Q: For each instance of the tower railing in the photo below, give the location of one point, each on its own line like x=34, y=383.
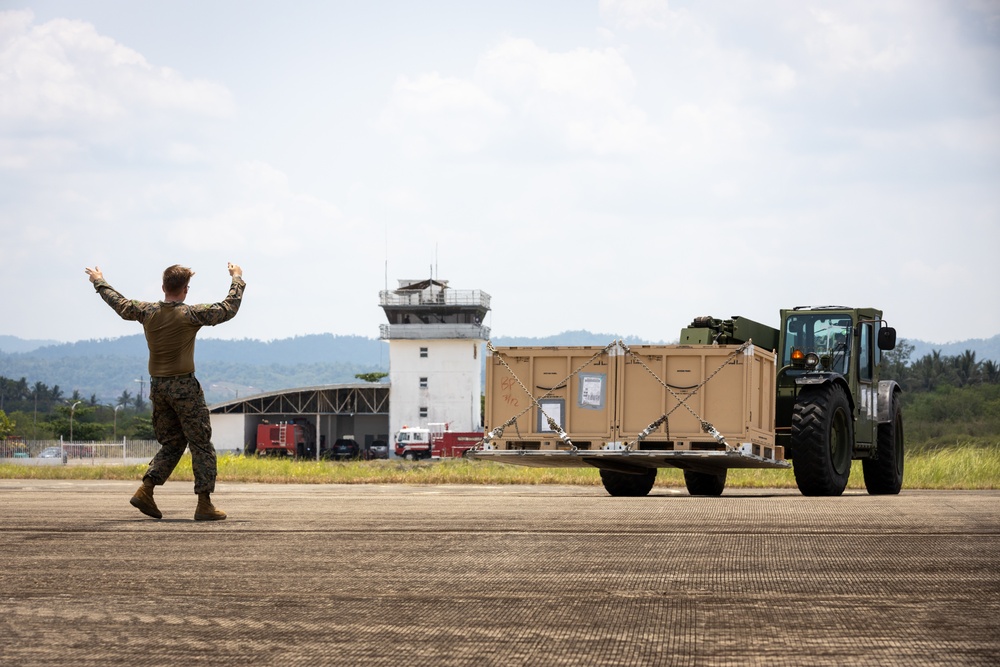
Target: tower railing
x=433, y=331
x=441, y=297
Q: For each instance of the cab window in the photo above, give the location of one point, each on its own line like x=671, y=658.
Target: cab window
x=828, y=336
x=865, y=360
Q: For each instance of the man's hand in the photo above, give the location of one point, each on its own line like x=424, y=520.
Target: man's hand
x=95, y=274
x=235, y=271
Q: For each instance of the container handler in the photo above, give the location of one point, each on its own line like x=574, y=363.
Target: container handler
x=732, y=394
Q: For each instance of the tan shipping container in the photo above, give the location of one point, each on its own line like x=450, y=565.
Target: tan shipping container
x=611, y=395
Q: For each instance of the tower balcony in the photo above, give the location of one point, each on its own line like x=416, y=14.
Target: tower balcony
x=437, y=331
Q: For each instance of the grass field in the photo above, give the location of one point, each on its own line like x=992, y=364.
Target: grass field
x=955, y=467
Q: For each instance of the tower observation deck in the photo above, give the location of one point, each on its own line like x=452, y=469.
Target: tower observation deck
x=429, y=309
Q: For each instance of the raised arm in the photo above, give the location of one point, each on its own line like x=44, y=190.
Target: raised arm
x=210, y=314
x=127, y=309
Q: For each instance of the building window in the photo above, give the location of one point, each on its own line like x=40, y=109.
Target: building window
x=423, y=412
x=423, y=353
x=423, y=383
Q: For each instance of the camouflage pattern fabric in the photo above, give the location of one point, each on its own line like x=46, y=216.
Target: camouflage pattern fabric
x=171, y=326
x=180, y=419
x=205, y=314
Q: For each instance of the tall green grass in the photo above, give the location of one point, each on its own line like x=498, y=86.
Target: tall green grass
x=961, y=466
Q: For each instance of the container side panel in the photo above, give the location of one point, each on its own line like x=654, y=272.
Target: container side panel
x=572, y=385
x=504, y=396
x=763, y=395
x=641, y=396
x=683, y=372
x=726, y=407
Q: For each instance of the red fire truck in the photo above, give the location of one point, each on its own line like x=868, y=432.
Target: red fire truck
x=435, y=441
x=282, y=439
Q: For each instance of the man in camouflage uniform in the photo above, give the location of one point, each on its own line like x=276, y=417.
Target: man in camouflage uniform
x=180, y=415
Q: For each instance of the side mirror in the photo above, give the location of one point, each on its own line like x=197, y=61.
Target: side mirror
x=887, y=338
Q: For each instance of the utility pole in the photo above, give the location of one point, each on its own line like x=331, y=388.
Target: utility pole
x=117, y=408
x=71, y=411
x=142, y=385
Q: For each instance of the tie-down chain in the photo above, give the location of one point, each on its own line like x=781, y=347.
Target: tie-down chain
x=706, y=426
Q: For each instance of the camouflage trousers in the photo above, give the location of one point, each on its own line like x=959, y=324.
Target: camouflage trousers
x=180, y=419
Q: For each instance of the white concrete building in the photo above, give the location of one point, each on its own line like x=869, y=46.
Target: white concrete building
x=436, y=339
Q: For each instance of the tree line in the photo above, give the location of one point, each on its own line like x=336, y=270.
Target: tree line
x=18, y=395
x=39, y=412
x=934, y=370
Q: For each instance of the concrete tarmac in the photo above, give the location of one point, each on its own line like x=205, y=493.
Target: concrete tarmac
x=485, y=575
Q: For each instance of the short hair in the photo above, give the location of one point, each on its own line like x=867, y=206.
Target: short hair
x=175, y=278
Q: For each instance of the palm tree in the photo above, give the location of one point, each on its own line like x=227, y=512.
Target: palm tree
x=40, y=391
x=22, y=390
x=124, y=399
x=966, y=368
x=931, y=370
x=990, y=371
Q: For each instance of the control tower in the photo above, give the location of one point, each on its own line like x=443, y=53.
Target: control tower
x=436, y=337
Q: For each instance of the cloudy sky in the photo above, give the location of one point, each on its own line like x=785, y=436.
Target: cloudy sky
x=619, y=166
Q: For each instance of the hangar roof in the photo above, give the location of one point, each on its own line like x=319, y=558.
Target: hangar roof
x=332, y=399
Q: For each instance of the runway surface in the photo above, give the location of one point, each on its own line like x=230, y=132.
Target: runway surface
x=512, y=575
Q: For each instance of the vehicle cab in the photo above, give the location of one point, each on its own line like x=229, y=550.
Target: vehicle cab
x=832, y=344
x=412, y=442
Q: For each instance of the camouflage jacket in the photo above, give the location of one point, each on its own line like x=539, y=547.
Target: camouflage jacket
x=170, y=326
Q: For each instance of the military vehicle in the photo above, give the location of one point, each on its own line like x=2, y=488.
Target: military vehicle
x=732, y=393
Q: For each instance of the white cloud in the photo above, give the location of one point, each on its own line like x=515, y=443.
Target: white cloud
x=632, y=14
x=779, y=77
x=583, y=96
x=64, y=77
x=431, y=113
x=581, y=100
x=64, y=71
x=865, y=43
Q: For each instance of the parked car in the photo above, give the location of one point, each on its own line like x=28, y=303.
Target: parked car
x=51, y=453
x=378, y=449
x=345, y=448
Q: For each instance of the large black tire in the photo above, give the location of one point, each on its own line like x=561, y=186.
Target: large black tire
x=884, y=474
x=628, y=484
x=705, y=484
x=822, y=440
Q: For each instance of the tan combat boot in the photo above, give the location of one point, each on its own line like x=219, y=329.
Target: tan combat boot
x=206, y=511
x=143, y=501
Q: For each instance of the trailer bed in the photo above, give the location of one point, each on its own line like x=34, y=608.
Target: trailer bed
x=630, y=461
